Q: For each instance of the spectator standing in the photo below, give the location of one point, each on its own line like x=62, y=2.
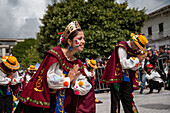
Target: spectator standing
x=98, y=64
x=105, y=62
x=142, y=77
x=151, y=59
x=163, y=58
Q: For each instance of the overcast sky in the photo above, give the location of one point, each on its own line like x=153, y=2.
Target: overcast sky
x=20, y=18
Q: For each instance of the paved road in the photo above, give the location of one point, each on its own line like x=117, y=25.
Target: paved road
x=146, y=103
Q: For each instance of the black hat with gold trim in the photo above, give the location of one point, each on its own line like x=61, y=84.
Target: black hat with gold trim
x=92, y=63
x=11, y=62
x=32, y=67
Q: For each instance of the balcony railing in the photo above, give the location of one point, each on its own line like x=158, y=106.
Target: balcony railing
x=149, y=37
x=160, y=35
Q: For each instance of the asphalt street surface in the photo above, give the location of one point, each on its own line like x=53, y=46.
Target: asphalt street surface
x=146, y=103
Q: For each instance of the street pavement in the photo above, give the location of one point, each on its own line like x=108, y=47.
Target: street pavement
x=146, y=103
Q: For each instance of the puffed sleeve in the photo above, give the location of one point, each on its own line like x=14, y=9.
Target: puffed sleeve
x=131, y=63
x=82, y=86
x=55, y=77
x=4, y=80
x=16, y=78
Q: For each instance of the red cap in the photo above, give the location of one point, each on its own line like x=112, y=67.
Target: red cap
x=149, y=66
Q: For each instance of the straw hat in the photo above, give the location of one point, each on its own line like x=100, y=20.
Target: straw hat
x=11, y=62
x=32, y=67
x=92, y=63
x=149, y=66
x=140, y=41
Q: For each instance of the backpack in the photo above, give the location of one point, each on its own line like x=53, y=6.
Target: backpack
x=162, y=74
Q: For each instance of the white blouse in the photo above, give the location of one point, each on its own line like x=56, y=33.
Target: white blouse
x=128, y=63
x=56, y=79
x=28, y=77
x=4, y=80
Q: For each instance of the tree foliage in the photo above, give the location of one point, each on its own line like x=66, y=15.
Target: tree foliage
x=30, y=58
x=104, y=23
x=20, y=50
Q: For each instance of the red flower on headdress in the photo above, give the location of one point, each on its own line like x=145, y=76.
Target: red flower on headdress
x=60, y=33
x=61, y=37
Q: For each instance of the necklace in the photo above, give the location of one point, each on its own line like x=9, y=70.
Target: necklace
x=68, y=57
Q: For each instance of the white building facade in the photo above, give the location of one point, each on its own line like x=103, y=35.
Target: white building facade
x=157, y=28
x=6, y=45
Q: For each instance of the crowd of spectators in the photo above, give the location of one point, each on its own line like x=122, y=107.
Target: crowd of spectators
x=160, y=60
x=101, y=61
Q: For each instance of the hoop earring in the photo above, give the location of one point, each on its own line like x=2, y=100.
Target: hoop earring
x=70, y=48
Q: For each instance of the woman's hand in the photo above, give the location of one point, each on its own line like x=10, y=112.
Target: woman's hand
x=74, y=73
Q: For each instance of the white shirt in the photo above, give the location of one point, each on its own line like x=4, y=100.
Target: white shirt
x=28, y=77
x=56, y=78
x=88, y=73
x=155, y=76
x=127, y=63
x=4, y=80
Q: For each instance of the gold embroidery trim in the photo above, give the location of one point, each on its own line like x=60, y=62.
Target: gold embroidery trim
x=117, y=70
x=38, y=87
x=34, y=101
x=63, y=64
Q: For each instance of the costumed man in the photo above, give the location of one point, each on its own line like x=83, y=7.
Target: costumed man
x=31, y=70
x=155, y=80
x=121, y=71
x=62, y=74
x=8, y=78
x=90, y=70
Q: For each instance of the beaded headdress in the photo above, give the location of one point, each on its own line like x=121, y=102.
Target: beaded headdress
x=69, y=29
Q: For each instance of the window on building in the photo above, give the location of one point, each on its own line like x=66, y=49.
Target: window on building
x=161, y=27
x=149, y=30
x=0, y=50
x=7, y=50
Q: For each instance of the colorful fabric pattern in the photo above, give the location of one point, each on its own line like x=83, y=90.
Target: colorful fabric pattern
x=60, y=99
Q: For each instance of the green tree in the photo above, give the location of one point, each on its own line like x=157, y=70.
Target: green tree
x=30, y=58
x=20, y=49
x=104, y=23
